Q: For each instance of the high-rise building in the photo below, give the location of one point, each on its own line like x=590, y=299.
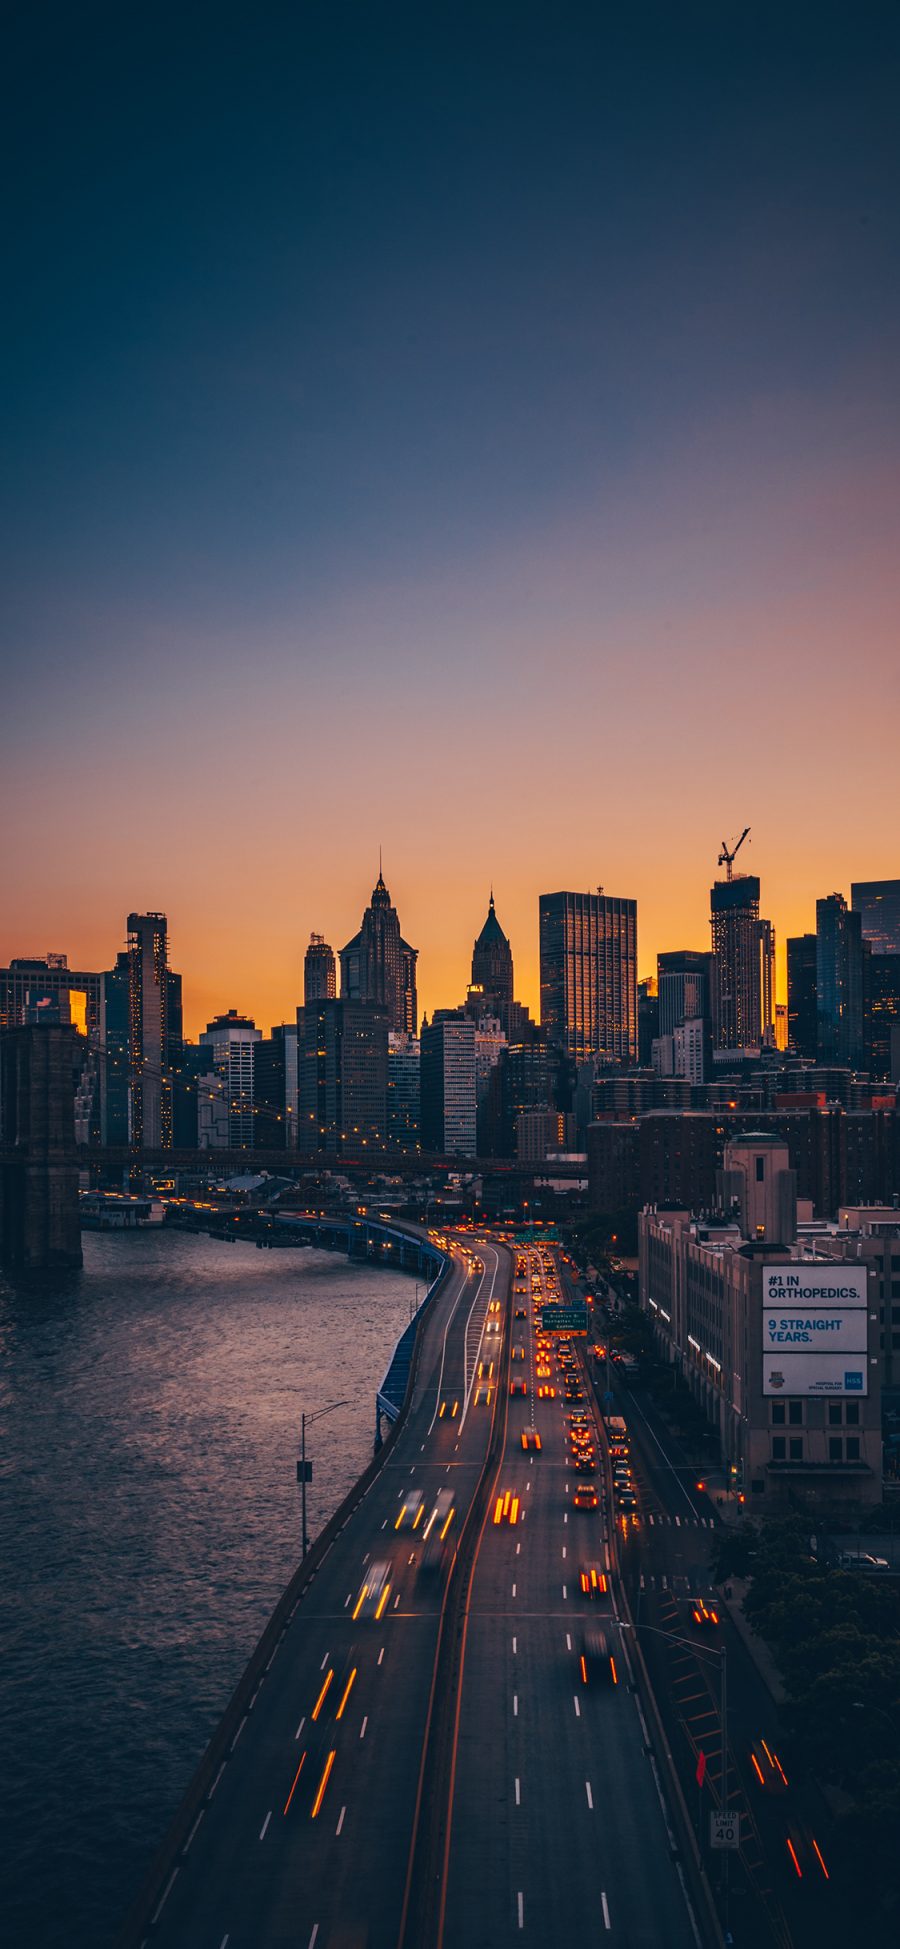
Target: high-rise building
x=882, y=1013
x=343, y=1062
x=588, y=946
x=801, y=983
x=449, y=1101
x=319, y=974
x=492, y=969
x=878, y=904
x=839, y=982
x=154, y=1031
x=683, y=977
x=743, y=965
x=379, y=967
x=231, y=1040
x=404, y=1093
x=648, y=1017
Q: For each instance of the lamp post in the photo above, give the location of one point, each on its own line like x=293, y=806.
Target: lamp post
x=304, y=1468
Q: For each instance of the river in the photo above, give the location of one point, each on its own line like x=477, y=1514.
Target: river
x=149, y=1519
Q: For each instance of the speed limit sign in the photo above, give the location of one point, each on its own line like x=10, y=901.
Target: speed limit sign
x=725, y=1830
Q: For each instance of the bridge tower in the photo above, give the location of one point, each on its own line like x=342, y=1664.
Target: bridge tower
x=39, y=1222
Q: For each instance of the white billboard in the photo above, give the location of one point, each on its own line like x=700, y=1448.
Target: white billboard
x=814, y=1329
x=814, y=1285
x=815, y=1373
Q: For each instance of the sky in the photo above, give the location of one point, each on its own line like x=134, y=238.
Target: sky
x=473, y=431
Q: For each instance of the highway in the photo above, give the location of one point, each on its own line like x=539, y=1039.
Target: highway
x=276, y=1857
x=423, y=1761
x=558, y=1829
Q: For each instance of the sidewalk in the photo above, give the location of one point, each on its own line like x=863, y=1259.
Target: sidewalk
x=757, y=1647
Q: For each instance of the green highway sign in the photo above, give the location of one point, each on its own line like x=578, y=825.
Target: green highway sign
x=564, y=1319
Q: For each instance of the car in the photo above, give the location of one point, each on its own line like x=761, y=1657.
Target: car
x=579, y=1418
x=412, y=1509
x=518, y=1386
x=704, y=1615
x=483, y=1395
x=594, y=1581
x=319, y=1750
x=375, y=1592
x=596, y=1662
x=862, y=1560
x=530, y=1438
x=542, y=1372
x=518, y=1352
x=546, y=1392
x=485, y=1370
x=493, y=1326
x=440, y=1516
x=768, y=1771
x=585, y=1462
x=506, y=1508
x=586, y=1496
x=619, y=1451
x=521, y=1313
x=625, y=1498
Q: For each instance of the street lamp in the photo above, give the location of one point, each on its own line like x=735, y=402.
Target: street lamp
x=304, y=1468
x=859, y=1705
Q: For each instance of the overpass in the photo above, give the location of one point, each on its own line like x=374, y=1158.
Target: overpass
x=412, y=1758
x=292, y=1163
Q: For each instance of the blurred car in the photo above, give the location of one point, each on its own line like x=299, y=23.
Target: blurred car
x=530, y=1438
x=375, y=1592
x=585, y=1462
x=518, y=1386
x=625, y=1498
x=521, y=1313
x=546, y=1391
x=586, y=1496
x=518, y=1352
x=596, y=1662
x=412, y=1509
x=704, y=1615
x=506, y=1508
x=768, y=1771
x=594, y=1581
x=483, y=1394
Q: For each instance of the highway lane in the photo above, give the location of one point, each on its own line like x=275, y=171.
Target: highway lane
x=294, y=1846
x=558, y=1829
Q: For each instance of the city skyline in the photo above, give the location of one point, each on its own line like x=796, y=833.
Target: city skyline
x=270, y=991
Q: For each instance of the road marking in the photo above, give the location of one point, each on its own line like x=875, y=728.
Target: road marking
x=340, y=1820
x=381, y=1654
x=514, y=1590
x=566, y=1517
x=577, y=1704
x=521, y=1901
x=262, y=1831
x=300, y=1727
x=514, y=1647
x=362, y=1730
x=347, y=1598
x=528, y=1488
x=564, y=1552
x=518, y=1795
x=678, y=1521
x=384, y=1524
x=217, y=1779
x=397, y=1599
x=568, y=1641
x=238, y=1733
x=422, y=1449
x=193, y=1830
x=312, y=1940
x=518, y=1548
x=515, y=1705
x=163, y=1898
x=224, y=1942
x=605, y=1907
x=328, y=1654
x=651, y=1519
x=590, y=1797
x=565, y=1592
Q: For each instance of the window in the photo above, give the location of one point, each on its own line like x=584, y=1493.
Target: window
x=795, y=1448
x=851, y=1414
x=835, y=1448
x=778, y=1448
x=853, y=1448
x=795, y=1413
x=760, y=1170
x=834, y=1414
x=778, y=1414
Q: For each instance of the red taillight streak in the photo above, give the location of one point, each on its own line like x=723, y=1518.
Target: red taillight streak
x=820, y=1859
x=615, y=1675
x=793, y=1854
x=347, y=1690
x=757, y=1769
x=323, y=1784
x=294, y=1783
x=583, y=1670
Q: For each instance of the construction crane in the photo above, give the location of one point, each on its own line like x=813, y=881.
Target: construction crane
x=727, y=858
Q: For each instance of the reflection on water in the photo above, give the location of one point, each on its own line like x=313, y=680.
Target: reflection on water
x=149, y=1519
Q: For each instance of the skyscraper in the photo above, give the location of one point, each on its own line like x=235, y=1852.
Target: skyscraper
x=878, y=904
x=449, y=1104
x=588, y=944
x=379, y=967
x=683, y=975
x=839, y=982
x=492, y=969
x=801, y=983
x=343, y=1063
x=154, y=1031
x=319, y=976
x=743, y=964
x=232, y=1038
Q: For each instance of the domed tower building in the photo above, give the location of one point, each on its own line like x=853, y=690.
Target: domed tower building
x=492, y=969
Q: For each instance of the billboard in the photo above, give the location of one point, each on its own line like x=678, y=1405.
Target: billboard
x=814, y=1329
